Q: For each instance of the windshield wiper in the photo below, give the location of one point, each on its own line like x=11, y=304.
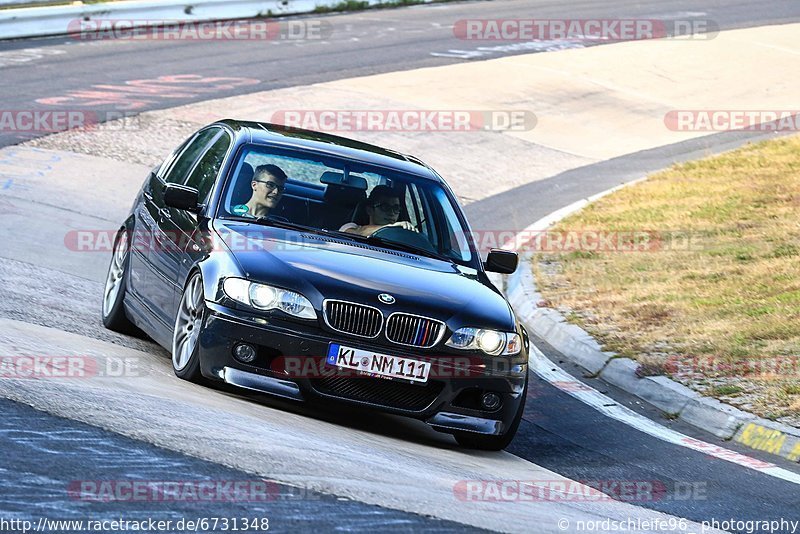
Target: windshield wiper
x=278, y=223
x=372, y=240
x=389, y=243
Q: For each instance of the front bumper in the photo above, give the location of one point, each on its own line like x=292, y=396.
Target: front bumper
x=291, y=364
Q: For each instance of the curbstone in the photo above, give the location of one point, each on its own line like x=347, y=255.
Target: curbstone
x=579, y=347
x=714, y=416
x=621, y=372
x=666, y=395
x=569, y=339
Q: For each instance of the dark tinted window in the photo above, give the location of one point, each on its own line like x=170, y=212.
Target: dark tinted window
x=207, y=169
x=186, y=159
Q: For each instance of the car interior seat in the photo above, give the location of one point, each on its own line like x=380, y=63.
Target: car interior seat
x=341, y=198
x=242, y=188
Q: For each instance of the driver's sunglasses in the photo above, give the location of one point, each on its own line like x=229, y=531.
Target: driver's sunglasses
x=272, y=186
x=389, y=208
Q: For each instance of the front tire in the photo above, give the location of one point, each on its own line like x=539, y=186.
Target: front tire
x=186, y=334
x=113, y=312
x=483, y=442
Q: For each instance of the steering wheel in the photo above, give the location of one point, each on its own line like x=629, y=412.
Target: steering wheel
x=403, y=236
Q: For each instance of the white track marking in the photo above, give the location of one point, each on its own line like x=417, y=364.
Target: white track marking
x=678, y=15
x=562, y=380
x=16, y=57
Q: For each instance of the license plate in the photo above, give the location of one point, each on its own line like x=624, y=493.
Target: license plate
x=381, y=365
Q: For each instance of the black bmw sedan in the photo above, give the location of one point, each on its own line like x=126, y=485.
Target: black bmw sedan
x=314, y=267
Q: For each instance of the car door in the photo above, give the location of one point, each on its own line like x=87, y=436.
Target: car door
x=164, y=251
x=144, y=223
x=194, y=227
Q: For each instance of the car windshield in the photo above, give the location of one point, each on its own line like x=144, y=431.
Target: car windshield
x=361, y=201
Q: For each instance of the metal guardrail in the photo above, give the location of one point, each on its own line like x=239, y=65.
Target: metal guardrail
x=61, y=20
x=12, y=3
x=40, y=3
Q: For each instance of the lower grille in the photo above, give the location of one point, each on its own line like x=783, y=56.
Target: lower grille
x=388, y=393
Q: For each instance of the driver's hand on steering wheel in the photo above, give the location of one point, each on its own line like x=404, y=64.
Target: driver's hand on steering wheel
x=405, y=225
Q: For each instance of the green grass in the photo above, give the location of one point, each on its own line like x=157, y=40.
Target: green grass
x=726, y=390
x=724, y=285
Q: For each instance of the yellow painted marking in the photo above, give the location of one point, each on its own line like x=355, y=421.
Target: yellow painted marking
x=795, y=454
x=763, y=439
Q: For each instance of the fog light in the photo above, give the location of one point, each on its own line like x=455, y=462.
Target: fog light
x=244, y=353
x=491, y=401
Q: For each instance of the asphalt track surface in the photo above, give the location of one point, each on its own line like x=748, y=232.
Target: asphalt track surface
x=54, y=450
x=358, y=44
x=558, y=432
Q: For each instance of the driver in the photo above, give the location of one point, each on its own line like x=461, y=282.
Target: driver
x=383, y=209
x=268, y=184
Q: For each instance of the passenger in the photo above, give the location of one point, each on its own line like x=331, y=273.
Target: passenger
x=268, y=184
x=383, y=209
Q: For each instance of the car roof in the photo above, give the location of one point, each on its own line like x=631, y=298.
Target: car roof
x=268, y=133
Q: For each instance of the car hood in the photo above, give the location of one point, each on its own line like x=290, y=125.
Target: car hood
x=327, y=267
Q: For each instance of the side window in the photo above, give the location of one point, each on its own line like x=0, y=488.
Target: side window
x=165, y=165
x=205, y=172
x=180, y=168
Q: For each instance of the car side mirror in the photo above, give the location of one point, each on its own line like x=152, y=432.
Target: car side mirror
x=501, y=261
x=181, y=197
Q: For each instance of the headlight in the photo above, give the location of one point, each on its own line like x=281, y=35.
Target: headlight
x=489, y=341
x=264, y=297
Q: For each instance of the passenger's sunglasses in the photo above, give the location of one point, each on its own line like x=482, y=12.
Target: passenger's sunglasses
x=272, y=186
x=388, y=208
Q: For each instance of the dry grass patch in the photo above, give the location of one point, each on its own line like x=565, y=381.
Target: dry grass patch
x=714, y=301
